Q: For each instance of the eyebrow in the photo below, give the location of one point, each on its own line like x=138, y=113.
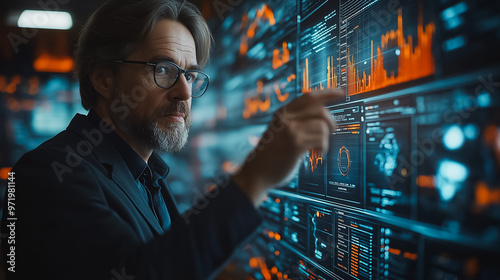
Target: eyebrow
x=171, y=59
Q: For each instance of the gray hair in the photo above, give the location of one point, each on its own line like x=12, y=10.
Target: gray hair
x=113, y=30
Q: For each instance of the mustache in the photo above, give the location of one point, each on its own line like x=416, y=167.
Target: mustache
x=179, y=107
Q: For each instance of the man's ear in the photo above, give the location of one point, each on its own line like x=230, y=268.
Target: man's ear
x=103, y=81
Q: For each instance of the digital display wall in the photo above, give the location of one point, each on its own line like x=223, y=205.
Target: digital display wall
x=410, y=185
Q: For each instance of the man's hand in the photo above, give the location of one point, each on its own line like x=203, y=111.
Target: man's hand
x=302, y=125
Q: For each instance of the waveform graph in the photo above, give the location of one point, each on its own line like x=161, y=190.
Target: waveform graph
x=315, y=159
x=321, y=242
x=312, y=173
x=377, y=56
x=268, y=96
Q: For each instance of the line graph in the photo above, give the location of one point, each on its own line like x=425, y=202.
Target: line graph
x=261, y=15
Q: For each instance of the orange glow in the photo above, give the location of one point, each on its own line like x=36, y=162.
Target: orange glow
x=426, y=181
x=12, y=86
x=277, y=200
x=291, y=77
x=314, y=159
x=411, y=256
x=271, y=234
x=4, y=172
x=277, y=253
x=285, y=57
x=264, y=270
x=277, y=236
x=263, y=13
x=472, y=268
x=228, y=166
x=48, y=63
x=3, y=83
x=394, y=251
x=486, y=196
x=413, y=62
x=331, y=76
x=13, y=104
x=260, y=86
x=274, y=270
x=254, y=262
x=492, y=139
x=243, y=45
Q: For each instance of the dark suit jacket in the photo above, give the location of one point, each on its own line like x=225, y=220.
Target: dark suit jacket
x=80, y=216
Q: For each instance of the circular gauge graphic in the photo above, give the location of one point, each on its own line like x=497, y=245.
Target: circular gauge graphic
x=344, y=161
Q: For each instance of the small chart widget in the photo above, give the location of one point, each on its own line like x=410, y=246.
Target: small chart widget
x=344, y=155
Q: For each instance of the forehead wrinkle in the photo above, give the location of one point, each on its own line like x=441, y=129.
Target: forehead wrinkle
x=179, y=50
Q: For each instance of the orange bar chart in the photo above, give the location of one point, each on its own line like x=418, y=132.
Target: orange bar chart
x=414, y=62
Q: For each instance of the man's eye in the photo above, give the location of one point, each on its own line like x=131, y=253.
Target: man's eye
x=190, y=77
x=161, y=70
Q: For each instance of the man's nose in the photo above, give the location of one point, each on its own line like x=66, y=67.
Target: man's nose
x=180, y=91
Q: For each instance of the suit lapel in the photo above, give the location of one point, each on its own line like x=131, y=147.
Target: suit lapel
x=173, y=210
x=108, y=155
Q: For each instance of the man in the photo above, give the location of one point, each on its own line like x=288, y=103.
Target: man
x=92, y=203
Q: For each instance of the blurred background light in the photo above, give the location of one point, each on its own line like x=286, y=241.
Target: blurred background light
x=45, y=20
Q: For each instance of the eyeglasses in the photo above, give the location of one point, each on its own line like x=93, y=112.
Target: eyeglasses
x=167, y=73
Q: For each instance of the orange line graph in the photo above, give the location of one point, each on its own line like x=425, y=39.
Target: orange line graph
x=285, y=57
x=413, y=62
x=263, y=13
x=277, y=90
x=331, y=76
x=314, y=159
x=255, y=103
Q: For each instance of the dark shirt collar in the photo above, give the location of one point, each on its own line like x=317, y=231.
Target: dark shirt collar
x=134, y=162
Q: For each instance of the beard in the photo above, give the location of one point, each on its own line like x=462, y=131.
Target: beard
x=147, y=131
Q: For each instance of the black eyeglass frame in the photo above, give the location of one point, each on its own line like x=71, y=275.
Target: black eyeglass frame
x=181, y=71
